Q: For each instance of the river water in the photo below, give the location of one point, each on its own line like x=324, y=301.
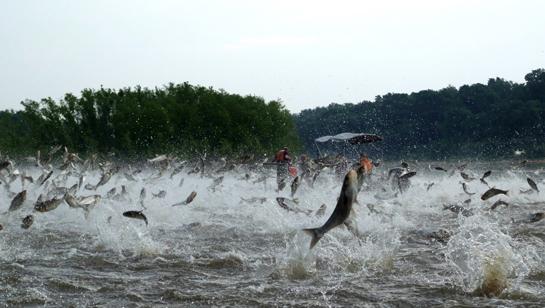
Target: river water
x=221, y=250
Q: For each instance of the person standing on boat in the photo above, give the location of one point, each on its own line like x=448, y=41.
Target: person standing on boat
x=283, y=159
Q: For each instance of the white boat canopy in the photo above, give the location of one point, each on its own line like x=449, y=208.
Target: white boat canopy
x=352, y=138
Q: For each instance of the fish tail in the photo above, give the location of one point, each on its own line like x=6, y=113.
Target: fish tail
x=316, y=235
x=146, y=220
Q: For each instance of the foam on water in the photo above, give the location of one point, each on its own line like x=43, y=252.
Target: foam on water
x=485, y=258
x=222, y=241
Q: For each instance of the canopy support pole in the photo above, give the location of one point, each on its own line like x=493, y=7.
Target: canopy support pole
x=318, y=148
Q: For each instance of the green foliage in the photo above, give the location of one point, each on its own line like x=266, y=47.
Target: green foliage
x=475, y=120
x=135, y=122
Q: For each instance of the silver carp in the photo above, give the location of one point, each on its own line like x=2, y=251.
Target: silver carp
x=348, y=195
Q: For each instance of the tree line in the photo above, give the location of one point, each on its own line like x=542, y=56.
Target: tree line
x=479, y=120
x=137, y=122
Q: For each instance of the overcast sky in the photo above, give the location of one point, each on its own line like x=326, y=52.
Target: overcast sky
x=306, y=53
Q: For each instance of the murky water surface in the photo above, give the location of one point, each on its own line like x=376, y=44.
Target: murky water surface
x=223, y=250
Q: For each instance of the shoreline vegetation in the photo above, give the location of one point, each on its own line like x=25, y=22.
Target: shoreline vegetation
x=481, y=121
x=137, y=123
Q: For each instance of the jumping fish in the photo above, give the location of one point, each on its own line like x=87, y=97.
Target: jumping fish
x=407, y=175
x=536, y=217
x=466, y=177
x=136, y=215
x=48, y=205
x=73, y=189
x=462, y=167
x=27, y=222
x=282, y=202
x=188, y=200
x=254, y=200
x=80, y=181
x=177, y=170
x=429, y=186
x=532, y=184
x=71, y=201
x=485, y=175
x=294, y=186
x=18, y=201
x=493, y=192
x=458, y=209
x=281, y=184
x=104, y=179
x=46, y=177
x=498, y=203
x=464, y=187
x=316, y=174
x=161, y=194
x=4, y=164
x=342, y=210
x=111, y=193
x=158, y=159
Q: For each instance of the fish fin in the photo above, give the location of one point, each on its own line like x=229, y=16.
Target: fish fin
x=316, y=236
x=350, y=227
